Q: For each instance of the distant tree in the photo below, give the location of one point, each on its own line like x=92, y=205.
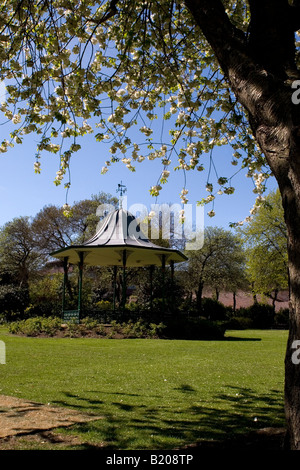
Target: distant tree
x=19, y=253
x=235, y=278
x=54, y=229
x=158, y=290
x=20, y=261
x=85, y=214
x=265, y=239
x=216, y=264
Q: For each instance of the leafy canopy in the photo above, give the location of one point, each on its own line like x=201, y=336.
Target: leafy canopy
x=265, y=239
x=220, y=264
x=76, y=67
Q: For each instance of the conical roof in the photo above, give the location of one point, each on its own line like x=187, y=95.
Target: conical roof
x=120, y=238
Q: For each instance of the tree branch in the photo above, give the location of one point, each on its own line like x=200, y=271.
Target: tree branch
x=259, y=85
x=295, y=14
x=270, y=43
x=271, y=36
x=222, y=35
x=111, y=11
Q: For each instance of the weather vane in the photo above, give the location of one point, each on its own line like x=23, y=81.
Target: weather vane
x=122, y=190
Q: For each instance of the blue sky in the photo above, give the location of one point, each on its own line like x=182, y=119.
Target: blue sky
x=24, y=193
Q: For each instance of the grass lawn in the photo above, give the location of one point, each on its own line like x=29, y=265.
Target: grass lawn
x=153, y=394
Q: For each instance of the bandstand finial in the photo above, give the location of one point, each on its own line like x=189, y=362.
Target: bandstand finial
x=122, y=190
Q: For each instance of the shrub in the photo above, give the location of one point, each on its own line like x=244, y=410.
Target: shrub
x=141, y=329
x=239, y=323
x=73, y=329
x=46, y=296
x=282, y=318
x=132, y=307
x=213, y=309
x=104, y=305
x=14, y=328
x=156, y=329
x=137, y=329
x=51, y=325
x=194, y=328
x=90, y=323
x=133, y=329
x=262, y=315
x=35, y=326
x=13, y=301
x=29, y=327
x=114, y=329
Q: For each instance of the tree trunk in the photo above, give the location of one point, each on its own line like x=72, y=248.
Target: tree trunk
x=234, y=302
x=260, y=67
x=292, y=368
x=274, y=299
x=199, y=296
x=217, y=294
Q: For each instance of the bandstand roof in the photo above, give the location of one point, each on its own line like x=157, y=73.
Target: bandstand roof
x=120, y=241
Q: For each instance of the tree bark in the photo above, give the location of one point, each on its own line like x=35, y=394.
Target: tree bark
x=260, y=68
x=274, y=299
x=254, y=294
x=217, y=294
x=199, y=296
x=292, y=370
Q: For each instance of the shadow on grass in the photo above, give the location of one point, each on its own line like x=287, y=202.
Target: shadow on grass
x=236, y=338
x=141, y=425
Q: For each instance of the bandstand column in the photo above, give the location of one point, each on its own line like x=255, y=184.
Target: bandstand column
x=80, y=266
x=124, y=280
x=172, y=282
x=151, y=270
x=163, y=268
x=65, y=281
x=114, y=288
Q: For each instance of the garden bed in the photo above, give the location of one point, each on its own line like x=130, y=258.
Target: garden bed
x=182, y=328
x=54, y=327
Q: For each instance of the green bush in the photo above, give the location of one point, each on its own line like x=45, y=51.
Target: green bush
x=104, y=305
x=90, y=323
x=156, y=329
x=13, y=301
x=73, y=329
x=194, y=328
x=134, y=329
x=141, y=329
x=31, y=326
x=282, y=318
x=36, y=326
x=15, y=327
x=132, y=307
x=262, y=315
x=213, y=309
x=239, y=323
x=46, y=296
